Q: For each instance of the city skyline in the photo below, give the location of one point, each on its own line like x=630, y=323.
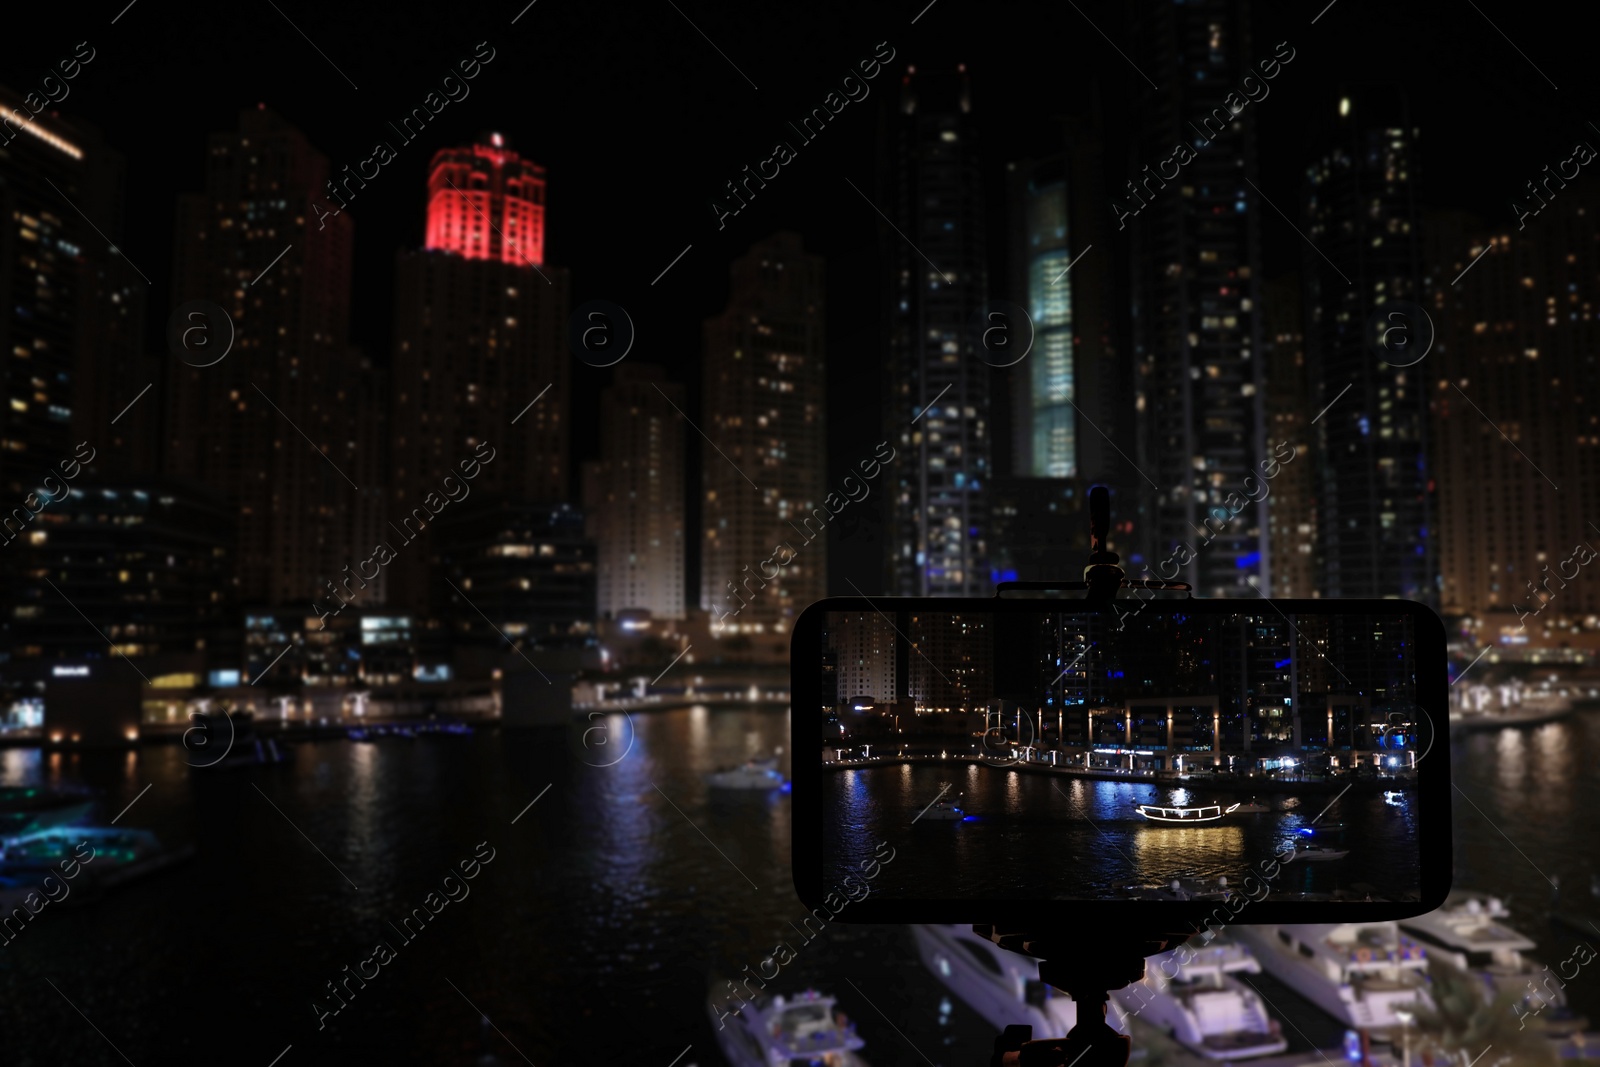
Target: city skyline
x=1012, y=453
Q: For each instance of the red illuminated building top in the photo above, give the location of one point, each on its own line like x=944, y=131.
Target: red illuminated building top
x=486, y=202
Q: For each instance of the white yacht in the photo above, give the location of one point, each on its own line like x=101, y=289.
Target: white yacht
x=1469, y=931
x=778, y=1031
x=755, y=774
x=1001, y=986
x=1201, y=813
x=1203, y=1006
x=1357, y=972
x=939, y=810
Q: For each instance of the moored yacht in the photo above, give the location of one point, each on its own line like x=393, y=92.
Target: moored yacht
x=1470, y=932
x=777, y=1031
x=1202, y=1005
x=1001, y=986
x=26, y=809
x=1359, y=973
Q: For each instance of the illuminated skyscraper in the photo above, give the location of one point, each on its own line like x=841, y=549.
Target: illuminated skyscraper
x=1292, y=516
x=864, y=643
x=1044, y=423
x=71, y=335
x=486, y=202
x=1195, y=237
x=1514, y=377
x=951, y=662
x=288, y=427
x=480, y=342
x=935, y=372
x=763, y=468
x=1373, y=485
x=633, y=495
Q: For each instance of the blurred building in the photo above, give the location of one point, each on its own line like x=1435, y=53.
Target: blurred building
x=937, y=382
x=864, y=647
x=136, y=568
x=1292, y=515
x=1058, y=213
x=765, y=460
x=1195, y=246
x=71, y=337
x=511, y=578
x=480, y=342
x=1514, y=378
x=287, y=427
x=1374, y=488
x=633, y=495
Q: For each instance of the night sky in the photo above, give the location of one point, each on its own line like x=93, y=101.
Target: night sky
x=639, y=120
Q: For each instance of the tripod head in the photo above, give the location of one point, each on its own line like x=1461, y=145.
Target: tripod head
x=1086, y=965
x=1103, y=577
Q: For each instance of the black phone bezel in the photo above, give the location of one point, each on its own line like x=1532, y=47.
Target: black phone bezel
x=1432, y=789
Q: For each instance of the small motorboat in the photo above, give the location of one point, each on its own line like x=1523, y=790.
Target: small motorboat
x=760, y=774
x=1250, y=807
x=941, y=811
x=1202, y=813
x=1304, y=850
x=804, y=1029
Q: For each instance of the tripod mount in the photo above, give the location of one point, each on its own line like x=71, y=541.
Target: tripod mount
x=1086, y=965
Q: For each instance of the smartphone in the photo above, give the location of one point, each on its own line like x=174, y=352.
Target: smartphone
x=1160, y=761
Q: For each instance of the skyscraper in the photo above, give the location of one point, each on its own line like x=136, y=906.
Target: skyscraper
x=937, y=382
x=764, y=554
x=864, y=643
x=287, y=427
x=633, y=495
x=1514, y=377
x=71, y=338
x=1058, y=217
x=480, y=341
x=1292, y=516
x=1195, y=243
x=1374, y=496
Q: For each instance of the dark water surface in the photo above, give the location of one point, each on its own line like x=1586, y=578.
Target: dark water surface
x=591, y=935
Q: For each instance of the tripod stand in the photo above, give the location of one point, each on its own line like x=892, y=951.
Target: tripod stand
x=1085, y=964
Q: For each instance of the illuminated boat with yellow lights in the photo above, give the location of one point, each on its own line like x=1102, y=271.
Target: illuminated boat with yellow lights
x=1187, y=816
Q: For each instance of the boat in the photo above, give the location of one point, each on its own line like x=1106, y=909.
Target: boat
x=120, y=854
x=1202, y=813
x=1307, y=852
x=26, y=809
x=772, y=1030
x=755, y=774
x=1470, y=931
x=939, y=810
x=1250, y=807
x=1193, y=994
x=1360, y=973
x=1001, y=986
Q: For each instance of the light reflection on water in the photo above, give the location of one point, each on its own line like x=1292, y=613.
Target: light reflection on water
x=1030, y=833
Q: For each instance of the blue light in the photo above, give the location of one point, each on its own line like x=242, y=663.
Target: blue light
x=1366, y=427
x=1308, y=831
x=1282, y=663
x=787, y=786
x=1239, y=206
x=1249, y=559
